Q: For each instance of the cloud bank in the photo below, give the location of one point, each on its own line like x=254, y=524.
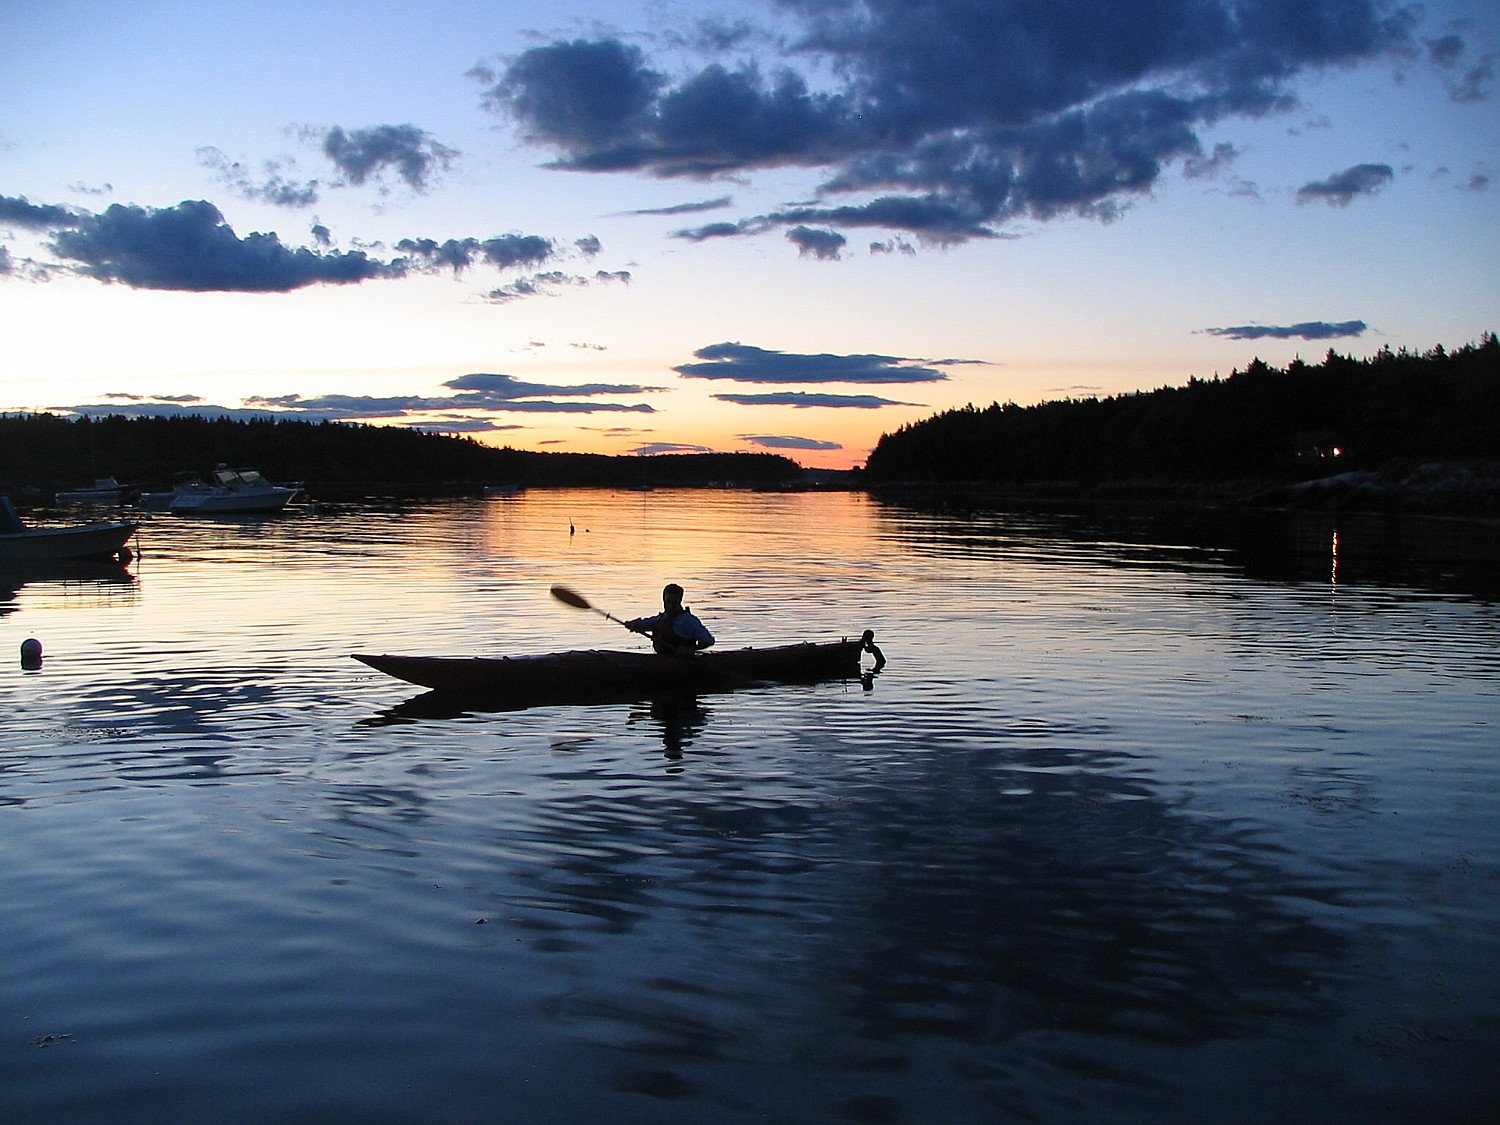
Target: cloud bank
x=473, y=397
x=480, y=392
x=949, y=120
x=191, y=247
x=746, y=364
x=779, y=441
x=802, y=400
x=1307, y=330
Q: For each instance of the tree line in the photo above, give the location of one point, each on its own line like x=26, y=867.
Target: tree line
x=52, y=451
x=1263, y=423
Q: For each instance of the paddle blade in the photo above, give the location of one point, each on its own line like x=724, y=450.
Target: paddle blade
x=570, y=597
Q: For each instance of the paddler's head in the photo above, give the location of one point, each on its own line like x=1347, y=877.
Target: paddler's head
x=671, y=596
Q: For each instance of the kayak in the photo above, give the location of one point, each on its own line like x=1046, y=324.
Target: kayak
x=598, y=672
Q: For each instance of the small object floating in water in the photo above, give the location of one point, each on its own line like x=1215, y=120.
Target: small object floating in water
x=31, y=654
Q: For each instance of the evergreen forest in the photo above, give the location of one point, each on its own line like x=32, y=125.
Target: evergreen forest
x=52, y=452
x=1389, y=413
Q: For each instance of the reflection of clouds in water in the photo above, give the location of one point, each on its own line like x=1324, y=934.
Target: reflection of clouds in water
x=961, y=899
x=118, y=732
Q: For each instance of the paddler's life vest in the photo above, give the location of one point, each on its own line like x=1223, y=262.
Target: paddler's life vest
x=665, y=639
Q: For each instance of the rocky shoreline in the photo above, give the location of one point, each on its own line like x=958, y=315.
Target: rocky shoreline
x=1437, y=488
x=1468, y=490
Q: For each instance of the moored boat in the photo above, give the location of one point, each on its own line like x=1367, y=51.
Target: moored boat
x=19, y=543
x=104, y=490
x=582, y=673
x=231, y=491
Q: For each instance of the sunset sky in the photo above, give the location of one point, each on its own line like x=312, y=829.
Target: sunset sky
x=773, y=225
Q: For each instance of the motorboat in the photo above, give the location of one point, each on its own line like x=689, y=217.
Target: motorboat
x=228, y=491
x=104, y=490
x=19, y=543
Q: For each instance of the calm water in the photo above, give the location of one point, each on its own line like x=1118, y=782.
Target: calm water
x=1140, y=823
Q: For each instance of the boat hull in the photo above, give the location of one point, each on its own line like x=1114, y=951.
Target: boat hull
x=105, y=490
x=273, y=500
x=588, y=673
x=86, y=541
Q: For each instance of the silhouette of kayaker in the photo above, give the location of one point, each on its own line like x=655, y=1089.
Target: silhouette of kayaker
x=675, y=631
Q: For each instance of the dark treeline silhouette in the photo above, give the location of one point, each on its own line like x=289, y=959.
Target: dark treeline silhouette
x=1263, y=424
x=50, y=451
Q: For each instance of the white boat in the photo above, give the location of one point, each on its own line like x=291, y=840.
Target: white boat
x=19, y=543
x=232, y=490
x=105, y=490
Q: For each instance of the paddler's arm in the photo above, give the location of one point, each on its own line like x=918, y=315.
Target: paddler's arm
x=689, y=628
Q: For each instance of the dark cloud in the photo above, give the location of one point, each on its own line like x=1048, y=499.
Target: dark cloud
x=825, y=244
x=1307, y=330
x=656, y=447
x=686, y=208
x=475, y=398
x=18, y=211
x=490, y=389
x=362, y=155
x=803, y=400
x=932, y=218
x=480, y=393
x=7, y=265
x=746, y=364
x=1209, y=165
x=578, y=96
x=1470, y=79
x=533, y=286
x=458, y=254
x=722, y=230
x=270, y=185
x=466, y=426
x=1341, y=187
x=190, y=247
x=950, y=119
x=543, y=283
x=128, y=397
x=359, y=157
x=776, y=441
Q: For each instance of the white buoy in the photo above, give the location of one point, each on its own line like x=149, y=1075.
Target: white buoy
x=31, y=653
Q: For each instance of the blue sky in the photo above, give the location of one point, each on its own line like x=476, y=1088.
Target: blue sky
x=785, y=225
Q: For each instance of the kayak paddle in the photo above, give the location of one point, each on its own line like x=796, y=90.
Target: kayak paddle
x=573, y=598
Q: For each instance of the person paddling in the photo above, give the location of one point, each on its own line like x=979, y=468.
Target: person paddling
x=674, y=631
